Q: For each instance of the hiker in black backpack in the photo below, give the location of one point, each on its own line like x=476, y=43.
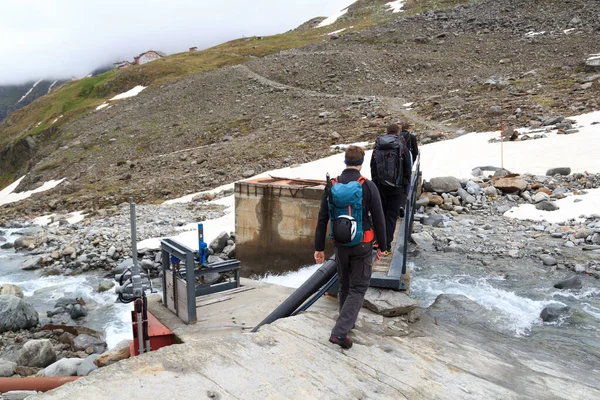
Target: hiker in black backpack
x=390, y=171
x=352, y=204
x=409, y=139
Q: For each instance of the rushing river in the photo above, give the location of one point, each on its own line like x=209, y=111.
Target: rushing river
x=104, y=314
x=514, y=303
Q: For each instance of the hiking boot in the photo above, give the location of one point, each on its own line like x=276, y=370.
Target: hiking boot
x=344, y=342
x=387, y=253
x=401, y=213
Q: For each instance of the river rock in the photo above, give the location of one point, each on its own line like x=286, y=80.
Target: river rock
x=7, y=288
x=458, y=308
x=573, y=282
x=548, y=260
x=120, y=352
x=65, y=301
x=558, y=171
x=18, y=394
x=219, y=243
x=432, y=199
x=84, y=341
x=26, y=371
x=445, y=184
x=424, y=240
x=69, y=251
x=546, y=206
x=104, y=286
x=540, y=196
x=490, y=191
x=87, y=365
x=465, y=196
x=511, y=185
x=37, y=353
x=62, y=367
x=7, y=368
x=583, y=233
x=388, y=302
x=229, y=251
x=78, y=311
x=24, y=242
x=32, y=263
x=552, y=312
x=433, y=220
x=16, y=314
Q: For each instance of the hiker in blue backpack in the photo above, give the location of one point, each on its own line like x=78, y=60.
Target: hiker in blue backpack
x=352, y=204
x=390, y=171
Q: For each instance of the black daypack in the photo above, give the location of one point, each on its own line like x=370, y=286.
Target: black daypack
x=388, y=158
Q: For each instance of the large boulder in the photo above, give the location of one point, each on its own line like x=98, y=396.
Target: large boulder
x=552, y=312
x=37, y=353
x=83, y=342
x=24, y=242
x=62, y=367
x=78, y=311
x=32, y=263
x=120, y=352
x=7, y=368
x=219, y=243
x=546, y=206
x=573, y=282
x=388, y=302
x=558, y=171
x=511, y=184
x=444, y=184
x=16, y=314
x=7, y=288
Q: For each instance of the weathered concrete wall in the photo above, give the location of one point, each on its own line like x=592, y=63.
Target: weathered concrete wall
x=275, y=225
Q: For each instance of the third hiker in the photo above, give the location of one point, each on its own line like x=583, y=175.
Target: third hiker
x=390, y=171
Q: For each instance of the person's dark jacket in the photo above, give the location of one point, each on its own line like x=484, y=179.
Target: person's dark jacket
x=406, y=167
x=411, y=143
x=371, y=205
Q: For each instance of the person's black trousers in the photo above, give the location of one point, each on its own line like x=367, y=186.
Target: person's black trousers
x=354, y=265
x=392, y=198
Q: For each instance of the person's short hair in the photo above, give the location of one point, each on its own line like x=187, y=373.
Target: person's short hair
x=355, y=155
x=393, y=129
x=405, y=125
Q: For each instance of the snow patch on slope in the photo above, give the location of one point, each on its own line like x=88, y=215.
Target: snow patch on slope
x=27, y=94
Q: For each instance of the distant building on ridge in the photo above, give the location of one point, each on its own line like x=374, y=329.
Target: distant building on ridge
x=122, y=64
x=148, y=56
x=193, y=49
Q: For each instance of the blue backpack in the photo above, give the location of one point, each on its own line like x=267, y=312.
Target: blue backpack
x=345, y=202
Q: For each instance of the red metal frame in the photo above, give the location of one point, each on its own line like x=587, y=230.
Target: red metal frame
x=160, y=335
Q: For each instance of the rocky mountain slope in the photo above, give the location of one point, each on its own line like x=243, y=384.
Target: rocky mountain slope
x=285, y=99
x=14, y=97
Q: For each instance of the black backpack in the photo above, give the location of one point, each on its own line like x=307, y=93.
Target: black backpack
x=388, y=158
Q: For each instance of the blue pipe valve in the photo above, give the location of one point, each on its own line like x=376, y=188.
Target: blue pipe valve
x=202, y=246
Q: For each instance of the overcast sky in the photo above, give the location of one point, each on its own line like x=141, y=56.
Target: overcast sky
x=64, y=38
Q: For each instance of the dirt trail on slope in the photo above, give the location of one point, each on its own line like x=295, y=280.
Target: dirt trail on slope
x=394, y=104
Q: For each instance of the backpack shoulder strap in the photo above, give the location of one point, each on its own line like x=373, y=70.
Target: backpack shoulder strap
x=361, y=180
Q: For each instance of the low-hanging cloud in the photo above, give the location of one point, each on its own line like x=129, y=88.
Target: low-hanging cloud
x=64, y=38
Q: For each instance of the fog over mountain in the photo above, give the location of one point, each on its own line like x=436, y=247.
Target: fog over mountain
x=64, y=38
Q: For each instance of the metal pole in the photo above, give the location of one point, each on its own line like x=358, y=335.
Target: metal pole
x=502, y=142
x=140, y=325
x=135, y=273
